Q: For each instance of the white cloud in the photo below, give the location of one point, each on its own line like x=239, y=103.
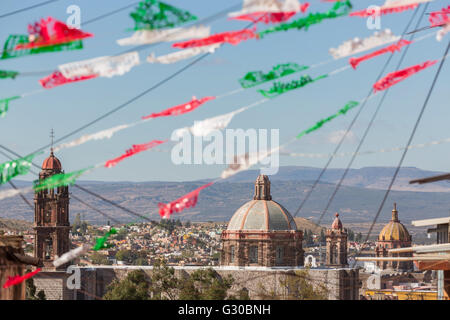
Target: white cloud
x=336, y=136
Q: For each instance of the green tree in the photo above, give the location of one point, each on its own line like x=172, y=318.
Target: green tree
x=358, y=237
x=164, y=284
x=351, y=235
x=140, y=262
x=322, y=238
x=98, y=258
x=31, y=290
x=83, y=227
x=206, y=284
x=128, y=256
x=121, y=234
x=76, y=224
x=134, y=287
x=300, y=287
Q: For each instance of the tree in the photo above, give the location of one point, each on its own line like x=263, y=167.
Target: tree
x=164, y=283
x=98, y=258
x=300, y=287
x=31, y=290
x=134, y=287
x=351, y=235
x=140, y=262
x=76, y=224
x=358, y=237
x=206, y=284
x=187, y=224
x=127, y=256
x=121, y=234
x=322, y=238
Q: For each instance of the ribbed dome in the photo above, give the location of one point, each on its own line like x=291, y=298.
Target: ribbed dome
x=262, y=213
x=266, y=215
x=51, y=163
x=394, y=230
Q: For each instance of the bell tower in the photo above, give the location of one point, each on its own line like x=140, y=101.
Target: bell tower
x=336, y=244
x=51, y=216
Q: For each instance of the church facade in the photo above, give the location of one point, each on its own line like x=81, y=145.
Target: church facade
x=394, y=235
x=262, y=233
x=51, y=217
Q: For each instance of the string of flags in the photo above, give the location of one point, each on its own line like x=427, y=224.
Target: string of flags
x=354, y=62
x=390, y=6
x=339, y=9
x=152, y=18
x=4, y=103
x=66, y=179
x=70, y=255
x=440, y=19
x=15, y=280
x=101, y=242
x=255, y=78
x=400, y=75
x=319, y=124
x=46, y=35
x=153, y=14
x=357, y=45
x=137, y=148
x=187, y=201
x=268, y=11
x=232, y=37
x=11, y=169
x=206, y=126
x=166, y=35
x=4, y=74
x=280, y=88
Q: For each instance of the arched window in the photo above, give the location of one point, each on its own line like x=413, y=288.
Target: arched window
x=232, y=253
x=253, y=254
x=48, y=248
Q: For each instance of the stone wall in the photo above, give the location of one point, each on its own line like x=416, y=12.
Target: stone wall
x=54, y=285
x=342, y=284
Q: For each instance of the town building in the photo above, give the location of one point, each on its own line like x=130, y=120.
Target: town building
x=51, y=217
x=52, y=227
x=336, y=238
x=394, y=235
x=262, y=233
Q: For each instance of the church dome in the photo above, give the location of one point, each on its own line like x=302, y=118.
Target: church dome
x=51, y=163
x=394, y=230
x=262, y=213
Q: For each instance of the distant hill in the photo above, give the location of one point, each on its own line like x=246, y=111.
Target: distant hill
x=305, y=224
x=368, y=177
x=15, y=225
x=357, y=203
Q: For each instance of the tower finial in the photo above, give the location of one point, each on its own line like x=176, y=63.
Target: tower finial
x=395, y=213
x=52, y=135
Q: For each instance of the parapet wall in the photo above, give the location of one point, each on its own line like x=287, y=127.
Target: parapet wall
x=342, y=284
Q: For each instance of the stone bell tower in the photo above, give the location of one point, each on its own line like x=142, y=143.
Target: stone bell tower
x=336, y=244
x=51, y=217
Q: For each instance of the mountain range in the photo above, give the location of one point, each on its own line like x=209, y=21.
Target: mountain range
x=357, y=201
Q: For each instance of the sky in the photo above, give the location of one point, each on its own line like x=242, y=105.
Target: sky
x=26, y=126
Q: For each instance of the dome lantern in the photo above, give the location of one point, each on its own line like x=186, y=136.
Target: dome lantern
x=262, y=188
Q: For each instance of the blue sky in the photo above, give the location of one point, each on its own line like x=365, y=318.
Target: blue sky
x=28, y=122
